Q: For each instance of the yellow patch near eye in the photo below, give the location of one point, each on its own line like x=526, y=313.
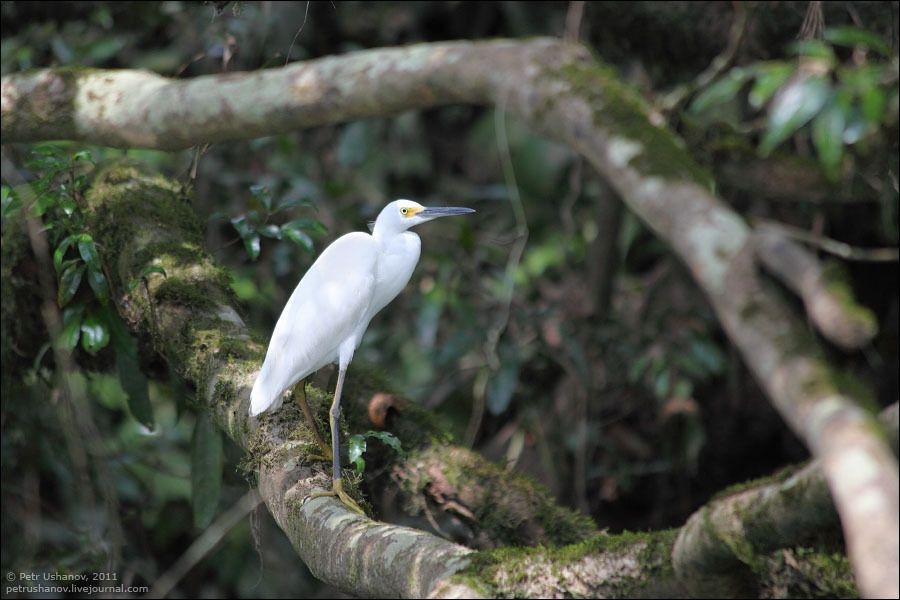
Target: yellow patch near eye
x=409, y=211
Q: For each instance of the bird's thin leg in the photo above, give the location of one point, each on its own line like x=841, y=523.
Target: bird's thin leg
x=299, y=393
x=337, y=486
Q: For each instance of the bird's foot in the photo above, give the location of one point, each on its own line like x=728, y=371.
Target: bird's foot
x=312, y=456
x=325, y=456
x=299, y=393
x=337, y=491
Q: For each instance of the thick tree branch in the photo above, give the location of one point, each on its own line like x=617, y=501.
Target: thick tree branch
x=828, y=300
x=561, y=91
x=725, y=539
x=142, y=219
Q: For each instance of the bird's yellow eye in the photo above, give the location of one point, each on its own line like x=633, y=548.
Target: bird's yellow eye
x=403, y=211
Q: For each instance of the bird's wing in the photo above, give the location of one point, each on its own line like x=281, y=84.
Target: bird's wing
x=325, y=309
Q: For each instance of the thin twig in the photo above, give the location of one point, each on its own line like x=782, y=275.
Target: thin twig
x=831, y=308
x=205, y=544
x=672, y=101
x=813, y=23
x=515, y=255
x=512, y=263
x=287, y=57
x=831, y=246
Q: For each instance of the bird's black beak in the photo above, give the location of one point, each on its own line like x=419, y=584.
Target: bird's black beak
x=444, y=211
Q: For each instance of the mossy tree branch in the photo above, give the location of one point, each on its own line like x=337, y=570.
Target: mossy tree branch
x=139, y=219
x=560, y=91
x=730, y=536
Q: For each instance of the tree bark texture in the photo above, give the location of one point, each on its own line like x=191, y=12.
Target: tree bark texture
x=561, y=91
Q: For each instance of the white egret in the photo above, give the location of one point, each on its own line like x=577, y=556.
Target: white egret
x=325, y=318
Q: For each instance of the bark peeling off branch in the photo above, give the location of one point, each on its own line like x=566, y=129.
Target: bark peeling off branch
x=561, y=91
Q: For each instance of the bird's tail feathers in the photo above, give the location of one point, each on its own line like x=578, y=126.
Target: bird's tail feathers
x=263, y=397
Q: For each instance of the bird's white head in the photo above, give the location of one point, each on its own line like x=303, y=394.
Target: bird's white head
x=400, y=215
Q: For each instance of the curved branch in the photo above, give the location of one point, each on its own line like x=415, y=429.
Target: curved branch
x=560, y=91
x=730, y=534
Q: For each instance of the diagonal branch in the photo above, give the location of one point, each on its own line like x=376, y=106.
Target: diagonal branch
x=827, y=299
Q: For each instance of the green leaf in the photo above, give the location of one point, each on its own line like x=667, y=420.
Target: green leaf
x=242, y=225
x=128, y=368
x=298, y=237
x=813, y=49
x=689, y=365
x=97, y=281
x=501, y=386
x=638, y=368
x=245, y=227
x=134, y=382
x=103, y=49
x=828, y=137
x=82, y=155
x=708, y=354
x=206, y=470
x=769, y=77
x=270, y=231
x=11, y=202
x=683, y=389
x=721, y=91
x=793, y=108
x=262, y=194
x=387, y=438
x=852, y=36
x=251, y=244
x=45, y=201
x=356, y=447
x=662, y=384
x=94, y=333
x=88, y=251
x=306, y=224
x=68, y=284
x=145, y=274
x=873, y=100
x=60, y=253
x=294, y=202
x=71, y=331
x=146, y=271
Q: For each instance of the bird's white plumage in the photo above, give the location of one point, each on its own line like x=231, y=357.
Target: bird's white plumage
x=328, y=312
x=327, y=307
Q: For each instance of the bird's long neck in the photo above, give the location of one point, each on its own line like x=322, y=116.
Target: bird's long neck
x=384, y=233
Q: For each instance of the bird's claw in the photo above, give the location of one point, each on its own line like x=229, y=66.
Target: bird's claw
x=326, y=455
x=337, y=491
